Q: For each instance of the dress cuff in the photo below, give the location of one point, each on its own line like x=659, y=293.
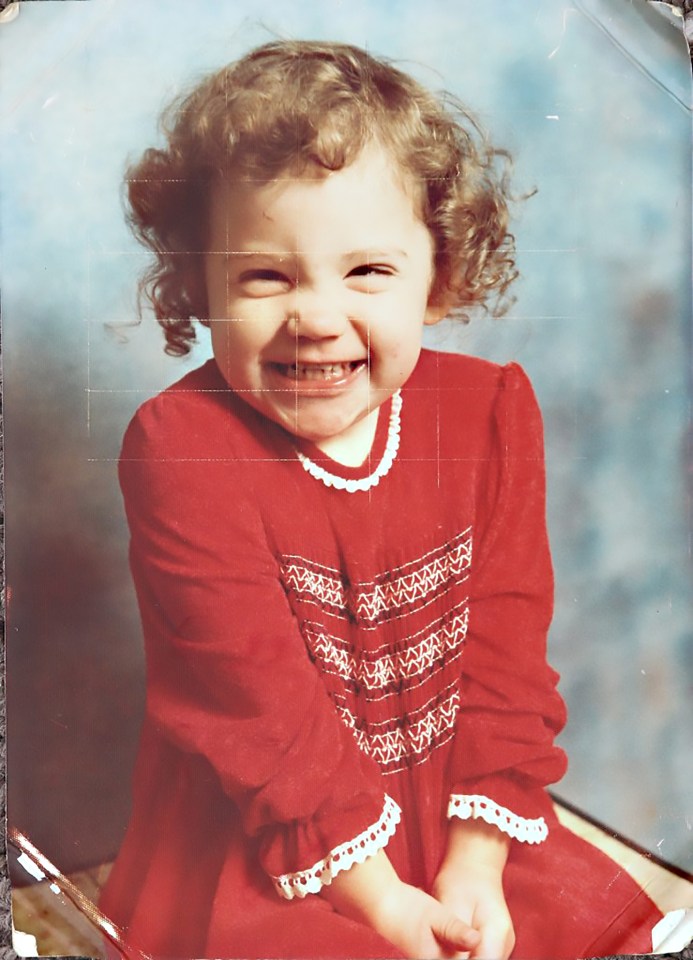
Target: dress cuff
x=321, y=874
x=473, y=807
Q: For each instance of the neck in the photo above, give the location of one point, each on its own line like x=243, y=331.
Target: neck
x=352, y=448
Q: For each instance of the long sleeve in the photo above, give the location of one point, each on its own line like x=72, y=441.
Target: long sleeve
x=229, y=677
x=504, y=753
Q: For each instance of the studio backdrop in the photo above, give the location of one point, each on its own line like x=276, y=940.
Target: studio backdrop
x=592, y=99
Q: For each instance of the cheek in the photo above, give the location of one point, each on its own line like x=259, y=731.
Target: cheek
x=407, y=349
x=397, y=357
x=220, y=346
x=239, y=345
x=225, y=342
x=214, y=279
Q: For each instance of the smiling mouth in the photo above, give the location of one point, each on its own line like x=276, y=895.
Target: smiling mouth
x=332, y=372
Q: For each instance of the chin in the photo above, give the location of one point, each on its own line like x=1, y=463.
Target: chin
x=318, y=435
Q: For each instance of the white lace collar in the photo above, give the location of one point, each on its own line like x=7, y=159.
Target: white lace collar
x=388, y=458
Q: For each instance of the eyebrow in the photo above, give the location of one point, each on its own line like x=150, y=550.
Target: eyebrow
x=248, y=254
x=376, y=253
x=366, y=254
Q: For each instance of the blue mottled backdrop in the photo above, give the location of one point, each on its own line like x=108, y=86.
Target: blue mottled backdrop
x=591, y=96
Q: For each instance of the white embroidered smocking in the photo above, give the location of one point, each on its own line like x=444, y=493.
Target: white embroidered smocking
x=396, y=592
x=315, y=583
x=417, y=581
x=390, y=668
x=408, y=740
x=322, y=873
x=473, y=806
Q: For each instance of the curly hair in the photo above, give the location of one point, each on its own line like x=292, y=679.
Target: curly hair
x=289, y=105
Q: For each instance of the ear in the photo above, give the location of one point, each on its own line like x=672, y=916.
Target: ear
x=435, y=312
x=440, y=301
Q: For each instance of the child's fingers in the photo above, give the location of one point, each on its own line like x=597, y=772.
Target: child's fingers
x=494, y=945
x=453, y=932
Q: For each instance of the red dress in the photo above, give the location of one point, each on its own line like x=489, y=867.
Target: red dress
x=333, y=669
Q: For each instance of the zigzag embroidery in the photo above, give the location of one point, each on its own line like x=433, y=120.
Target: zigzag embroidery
x=412, y=738
x=413, y=584
x=414, y=660
x=388, y=593
x=317, y=586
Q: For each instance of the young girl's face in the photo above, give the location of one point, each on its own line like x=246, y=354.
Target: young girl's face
x=318, y=290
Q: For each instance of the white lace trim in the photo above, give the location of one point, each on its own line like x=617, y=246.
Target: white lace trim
x=473, y=807
x=388, y=458
x=322, y=873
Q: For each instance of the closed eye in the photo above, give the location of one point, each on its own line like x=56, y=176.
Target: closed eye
x=264, y=282
x=364, y=269
x=371, y=277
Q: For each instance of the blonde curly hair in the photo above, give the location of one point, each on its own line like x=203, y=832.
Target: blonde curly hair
x=291, y=104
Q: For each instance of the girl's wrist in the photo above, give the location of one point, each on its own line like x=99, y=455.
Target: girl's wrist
x=462, y=877
x=476, y=846
x=366, y=891
x=465, y=877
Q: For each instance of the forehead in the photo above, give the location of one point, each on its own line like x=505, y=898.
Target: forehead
x=371, y=192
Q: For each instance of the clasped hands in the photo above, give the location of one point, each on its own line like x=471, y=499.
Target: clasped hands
x=465, y=917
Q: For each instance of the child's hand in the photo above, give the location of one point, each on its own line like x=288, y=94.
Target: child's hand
x=476, y=896
x=422, y=927
x=418, y=925
x=470, y=882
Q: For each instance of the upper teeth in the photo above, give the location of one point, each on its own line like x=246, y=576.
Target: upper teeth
x=314, y=371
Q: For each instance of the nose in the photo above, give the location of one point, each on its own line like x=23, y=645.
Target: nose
x=316, y=314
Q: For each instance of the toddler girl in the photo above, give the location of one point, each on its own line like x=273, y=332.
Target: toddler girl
x=339, y=547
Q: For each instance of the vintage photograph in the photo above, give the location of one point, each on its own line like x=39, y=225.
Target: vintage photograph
x=347, y=416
